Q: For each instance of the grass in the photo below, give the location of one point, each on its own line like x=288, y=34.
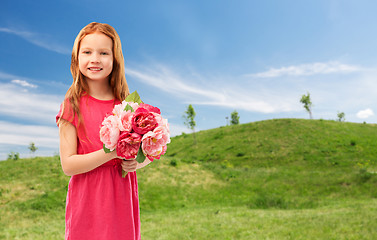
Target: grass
x=32, y=193
x=276, y=179
x=246, y=223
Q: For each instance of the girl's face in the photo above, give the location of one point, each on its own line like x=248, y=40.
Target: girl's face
x=96, y=56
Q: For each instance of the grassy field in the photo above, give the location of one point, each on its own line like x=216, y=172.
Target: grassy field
x=275, y=179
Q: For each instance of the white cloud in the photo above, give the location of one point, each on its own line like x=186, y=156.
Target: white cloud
x=196, y=89
x=41, y=40
x=32, y=119
x=307, y=70
x=17, y=134
x=165, y=79
x=277, y=97
x=24, y=83
x=27, y=117
x=365, y=113
x=28, y=107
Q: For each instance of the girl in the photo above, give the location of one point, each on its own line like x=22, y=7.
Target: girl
x=100, y=203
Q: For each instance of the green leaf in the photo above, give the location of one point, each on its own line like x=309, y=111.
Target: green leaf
x=134, y=97
x=106, y=149
x=140, y=156
x=128, y=107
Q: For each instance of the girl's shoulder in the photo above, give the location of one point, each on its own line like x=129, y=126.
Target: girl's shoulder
x=68, y=111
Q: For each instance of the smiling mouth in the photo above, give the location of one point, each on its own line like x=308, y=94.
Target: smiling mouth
x=95, y=69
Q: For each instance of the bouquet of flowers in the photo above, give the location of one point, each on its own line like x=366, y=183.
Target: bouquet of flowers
x=135, y=130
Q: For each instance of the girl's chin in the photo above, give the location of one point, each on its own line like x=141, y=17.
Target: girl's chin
x=96, y=78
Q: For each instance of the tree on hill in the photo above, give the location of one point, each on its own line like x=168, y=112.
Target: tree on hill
x=305, y=99
x=189, y=120
x=341, y=116
x=235, y=118
x=13, y=156
x=32, y=147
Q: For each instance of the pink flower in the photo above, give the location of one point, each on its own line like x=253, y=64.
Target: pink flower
x=109, y=132
x=128, y=145
x=150, y=108
x=154, y=143
x=134, y=105
x=119, y=108
x=143, y=121
x=162, y=122
x=125, y=121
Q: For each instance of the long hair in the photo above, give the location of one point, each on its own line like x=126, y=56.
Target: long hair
x=117, y=78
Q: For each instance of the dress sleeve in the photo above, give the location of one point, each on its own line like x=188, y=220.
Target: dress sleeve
x=66, y=113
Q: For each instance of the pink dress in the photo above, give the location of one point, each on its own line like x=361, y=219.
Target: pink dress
x=100, y=203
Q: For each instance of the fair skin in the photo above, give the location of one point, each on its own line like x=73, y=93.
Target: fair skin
x=95, y=63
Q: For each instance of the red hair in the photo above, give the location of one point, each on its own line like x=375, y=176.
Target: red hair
x=117, y=78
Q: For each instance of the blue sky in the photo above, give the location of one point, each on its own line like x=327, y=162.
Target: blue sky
x=256, y=57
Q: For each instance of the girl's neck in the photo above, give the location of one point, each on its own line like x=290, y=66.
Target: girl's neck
x=100, y=90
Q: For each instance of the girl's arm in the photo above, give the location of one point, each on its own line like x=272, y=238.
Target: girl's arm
x=73, y=163
x=133, y=165
x=143, y=164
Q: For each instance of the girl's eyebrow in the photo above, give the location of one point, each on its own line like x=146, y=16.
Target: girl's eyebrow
x=101, y=49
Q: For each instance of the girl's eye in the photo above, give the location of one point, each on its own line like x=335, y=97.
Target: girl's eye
x=86, y=52
x=104, y=53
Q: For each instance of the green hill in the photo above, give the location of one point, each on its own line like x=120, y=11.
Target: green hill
x=275, y=179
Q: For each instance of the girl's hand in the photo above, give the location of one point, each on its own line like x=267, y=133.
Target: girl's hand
x=129, y=165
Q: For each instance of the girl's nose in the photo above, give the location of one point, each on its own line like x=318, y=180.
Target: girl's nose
x=95, y=57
